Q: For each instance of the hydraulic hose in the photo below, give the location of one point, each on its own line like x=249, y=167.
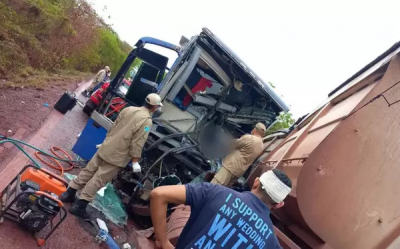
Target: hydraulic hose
x=57, y=165
x=35, y=148
x=23, y=151
x=55, y=158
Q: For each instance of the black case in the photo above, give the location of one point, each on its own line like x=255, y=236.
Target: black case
x=65, y=103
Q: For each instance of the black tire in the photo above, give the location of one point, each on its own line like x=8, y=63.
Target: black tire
x=89, y=107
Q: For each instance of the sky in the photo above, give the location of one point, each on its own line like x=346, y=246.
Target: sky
x=305, y=48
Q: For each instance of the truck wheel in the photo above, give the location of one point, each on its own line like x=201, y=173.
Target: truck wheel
x=89, y=107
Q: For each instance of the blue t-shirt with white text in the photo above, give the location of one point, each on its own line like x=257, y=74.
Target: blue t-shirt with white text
x=223, y=218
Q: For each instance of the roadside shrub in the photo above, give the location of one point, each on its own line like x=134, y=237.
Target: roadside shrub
x=55, y=35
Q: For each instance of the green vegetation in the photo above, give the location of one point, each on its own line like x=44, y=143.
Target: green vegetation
x=41, y=79
x=52, y=36
x=284, y=121
x=133, y=68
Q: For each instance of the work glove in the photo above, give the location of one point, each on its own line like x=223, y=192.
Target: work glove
x=136, y=167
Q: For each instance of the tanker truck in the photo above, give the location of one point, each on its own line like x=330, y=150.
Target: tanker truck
x=343, y=159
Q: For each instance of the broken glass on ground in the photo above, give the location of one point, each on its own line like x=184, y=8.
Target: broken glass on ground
x=204, y=177
x=167, y=180
x=215, y=164
x=108, y=202
x=200, y=178
x=69, y=177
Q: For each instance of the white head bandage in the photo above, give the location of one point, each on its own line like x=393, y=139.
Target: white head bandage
x=274, y=187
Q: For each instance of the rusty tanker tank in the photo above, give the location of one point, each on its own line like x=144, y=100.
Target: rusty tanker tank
x=343, y=159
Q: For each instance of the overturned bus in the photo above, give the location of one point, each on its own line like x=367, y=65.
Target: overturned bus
x=209, y=97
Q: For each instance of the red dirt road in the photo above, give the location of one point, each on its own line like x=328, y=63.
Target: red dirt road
x=24, y=109
x=24, y=117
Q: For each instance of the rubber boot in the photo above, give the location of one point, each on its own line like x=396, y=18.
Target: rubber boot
x=69, y=196
x=79, y=209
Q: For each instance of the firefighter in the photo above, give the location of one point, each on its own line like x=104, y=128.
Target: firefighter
x=123, y=144
x=245, y=150
x=98, y=79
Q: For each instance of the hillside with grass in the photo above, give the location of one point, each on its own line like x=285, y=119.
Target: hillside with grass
x=41, y=39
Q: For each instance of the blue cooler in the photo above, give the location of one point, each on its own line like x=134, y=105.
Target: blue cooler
x=93, y=134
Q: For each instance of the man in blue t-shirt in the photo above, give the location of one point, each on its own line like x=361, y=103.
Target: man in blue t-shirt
x=221, y=217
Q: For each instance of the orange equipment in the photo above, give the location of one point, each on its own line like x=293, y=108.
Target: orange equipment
x=32, y=200
x=48, y=181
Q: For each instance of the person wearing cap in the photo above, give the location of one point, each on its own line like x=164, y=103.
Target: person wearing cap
x=244, y=152
x=98, y=79
x=221, y=217
x=123, y=145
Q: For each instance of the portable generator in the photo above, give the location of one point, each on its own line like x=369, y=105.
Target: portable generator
x=32, y=200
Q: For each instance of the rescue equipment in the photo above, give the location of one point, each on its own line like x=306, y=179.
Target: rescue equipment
x=32, y=200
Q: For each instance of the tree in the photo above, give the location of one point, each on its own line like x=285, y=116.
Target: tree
x=284, y=121
x=56, y=34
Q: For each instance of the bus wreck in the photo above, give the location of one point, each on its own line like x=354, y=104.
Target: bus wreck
x=209, y=98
